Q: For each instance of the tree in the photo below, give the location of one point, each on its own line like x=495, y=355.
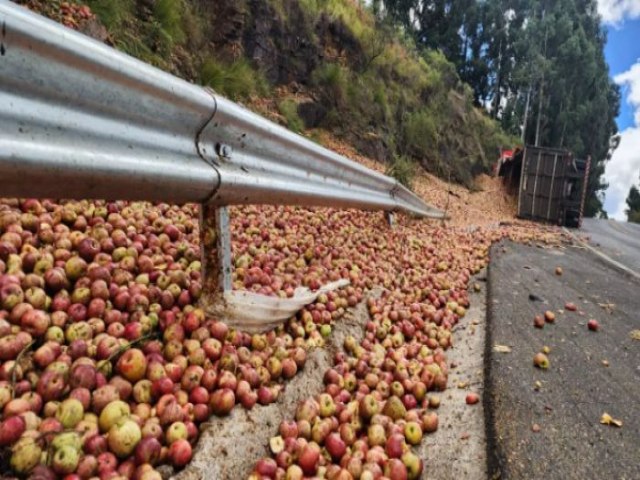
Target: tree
x=537, y=65
x=633, y=202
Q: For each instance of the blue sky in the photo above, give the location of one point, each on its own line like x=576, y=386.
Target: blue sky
x=621, y=18
x=622, y=51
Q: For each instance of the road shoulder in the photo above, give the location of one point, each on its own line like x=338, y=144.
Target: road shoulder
x=457, y=450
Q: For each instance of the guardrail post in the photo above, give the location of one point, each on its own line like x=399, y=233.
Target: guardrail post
x=390, y=218
x=215, y=245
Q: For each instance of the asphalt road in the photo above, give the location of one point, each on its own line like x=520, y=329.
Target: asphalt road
x=618, y=240
x=578, y=387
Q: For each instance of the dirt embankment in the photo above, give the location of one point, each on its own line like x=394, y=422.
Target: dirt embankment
x=488, y=204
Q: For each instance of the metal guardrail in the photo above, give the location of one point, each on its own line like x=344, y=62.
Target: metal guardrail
x=81, y=120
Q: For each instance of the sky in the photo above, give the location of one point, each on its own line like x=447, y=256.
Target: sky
x=621, y=18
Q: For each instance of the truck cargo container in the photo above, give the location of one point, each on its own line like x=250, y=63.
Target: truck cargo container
x=549, y=182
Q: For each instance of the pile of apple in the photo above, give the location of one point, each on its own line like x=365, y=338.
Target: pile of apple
x=107, y=365
x=375, y=404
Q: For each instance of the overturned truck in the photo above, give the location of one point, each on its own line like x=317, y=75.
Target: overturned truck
x=550, y=183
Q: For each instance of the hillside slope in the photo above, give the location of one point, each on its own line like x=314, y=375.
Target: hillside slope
x=310, y=64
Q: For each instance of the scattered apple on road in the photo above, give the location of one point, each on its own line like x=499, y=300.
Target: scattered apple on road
x=540, y=360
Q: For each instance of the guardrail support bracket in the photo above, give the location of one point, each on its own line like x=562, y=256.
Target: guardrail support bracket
x=390, y=218
x=215, y=245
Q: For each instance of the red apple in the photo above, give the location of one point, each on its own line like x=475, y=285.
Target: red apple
x=180, y=453
x=132, y=365
x=222, y=401
x=148, y=451
x=395, y=470
x=430, y=422
x=11, y=429
x=308, y=458
x=472, y=398
x=335, y=445
x=394, y=447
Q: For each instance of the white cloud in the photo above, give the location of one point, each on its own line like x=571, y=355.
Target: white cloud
x=623, y=170
x=630, y=82
x=615, y=11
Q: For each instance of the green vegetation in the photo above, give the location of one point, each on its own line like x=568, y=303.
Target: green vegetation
x=359, y=21
x=333, y=80
x=415, y=103
x=403, y=169
x=289, y=110
x=150, y=38
x=633, y=204
x=538, y=64
x=174, y=35
x=235, y=80
x=367, y=80
x=421, y=131
x=168, y=14
x=113, y=13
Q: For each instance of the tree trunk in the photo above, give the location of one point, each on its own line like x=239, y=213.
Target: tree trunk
x=540, y=96
x=526, y=115
x=496, y=94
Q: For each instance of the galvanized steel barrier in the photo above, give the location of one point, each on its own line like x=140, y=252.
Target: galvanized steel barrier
x=79, y=119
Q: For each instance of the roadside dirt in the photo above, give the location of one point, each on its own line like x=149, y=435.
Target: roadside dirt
x=229, y=447
x=457, y=450
x=488, y=204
